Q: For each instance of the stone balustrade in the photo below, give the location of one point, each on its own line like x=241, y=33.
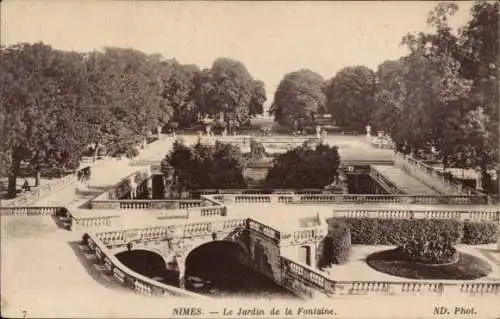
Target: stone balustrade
x=37, y=193
x=129, y=278
x=213, y=211
x=433, y=177
x=90, y=222
x=384, y=181
x=146, y=204
x=30, y=211
x=270, y=232
x=490, y=215
x=295, y=198
x=316, y=280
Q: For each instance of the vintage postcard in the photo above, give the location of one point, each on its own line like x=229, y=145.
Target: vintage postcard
x=249, y=159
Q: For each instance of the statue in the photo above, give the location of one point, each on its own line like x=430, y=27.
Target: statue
x=368, y=129
x=318, y=131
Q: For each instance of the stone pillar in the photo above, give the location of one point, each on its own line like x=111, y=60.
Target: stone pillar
x=181, y=264
x=318, y=131
x=368, y=129
x=208, y=130
x=479, y=180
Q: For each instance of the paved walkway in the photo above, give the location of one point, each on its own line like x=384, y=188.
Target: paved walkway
x=408, y=184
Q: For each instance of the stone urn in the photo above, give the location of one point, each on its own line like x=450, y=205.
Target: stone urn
x=208, y=130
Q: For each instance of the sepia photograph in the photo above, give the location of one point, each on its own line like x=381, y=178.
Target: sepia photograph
x=249, y=159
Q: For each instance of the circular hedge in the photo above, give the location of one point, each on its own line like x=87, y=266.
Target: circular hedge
x=395, y=262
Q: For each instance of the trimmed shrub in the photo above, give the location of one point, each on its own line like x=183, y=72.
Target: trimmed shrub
x=380, y=231
x=477, y=233
x=336, y=245
x=432, y=241
x=420, y=240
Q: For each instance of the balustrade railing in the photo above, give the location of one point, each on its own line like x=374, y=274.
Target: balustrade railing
x=490, y=215
x=433, y=177
x=317, y=280
x=30, y=211
x=37, y=193
x=146, y=204
x=129, y=278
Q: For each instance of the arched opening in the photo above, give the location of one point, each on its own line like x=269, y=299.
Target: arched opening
x=221, y=268
x=149, y=264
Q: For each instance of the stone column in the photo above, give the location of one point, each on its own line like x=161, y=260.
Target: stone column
x=181, y=264
x=479, y=180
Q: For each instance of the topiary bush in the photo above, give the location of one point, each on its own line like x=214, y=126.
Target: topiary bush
x=432, y=241
x=420, y=240
x=478, y=233
x=336, y=245
x=381, y=231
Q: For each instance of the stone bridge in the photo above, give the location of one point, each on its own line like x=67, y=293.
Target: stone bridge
x=259, y=246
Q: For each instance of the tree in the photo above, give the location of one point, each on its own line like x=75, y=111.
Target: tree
x=351, y=97
x=206, y=166
x=480, y=62
x=258, y=98
x=299, y=99
x=179, y=90
x=227, y=92
x=41, y=93
x=124, y=102
x=306, y=166
x=389, y=97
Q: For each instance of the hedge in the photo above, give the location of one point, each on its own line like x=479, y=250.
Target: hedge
x=420, y=240
x=483, y=232
x=374, y=231
x=336, y=245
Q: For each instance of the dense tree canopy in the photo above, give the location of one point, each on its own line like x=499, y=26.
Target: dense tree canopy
x=55, y=103
x=40, y=92
x=307, y=166
x=206, y=166
x=227, y=92
x=299, y=99
x=351, y=97
x=444, y=93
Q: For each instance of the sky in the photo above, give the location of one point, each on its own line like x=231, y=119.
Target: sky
x=270, y=38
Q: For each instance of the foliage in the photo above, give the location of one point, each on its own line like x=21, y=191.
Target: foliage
x=444, y=93
x=351, y=97
x=337, y=246
x=228, y=92
x=478, y=233
x=462, y=267
x=299, y=99
x=377, y=231
x=206, y=166
x=306, y=166
x=40, y=96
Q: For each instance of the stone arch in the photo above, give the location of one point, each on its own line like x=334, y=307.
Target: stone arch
x=207, y=243
x=146, y=262
x=136, y=247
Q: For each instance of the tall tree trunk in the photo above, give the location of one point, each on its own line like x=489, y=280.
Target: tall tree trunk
x=96, y=150
x=14, y=172
x=37, y=176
